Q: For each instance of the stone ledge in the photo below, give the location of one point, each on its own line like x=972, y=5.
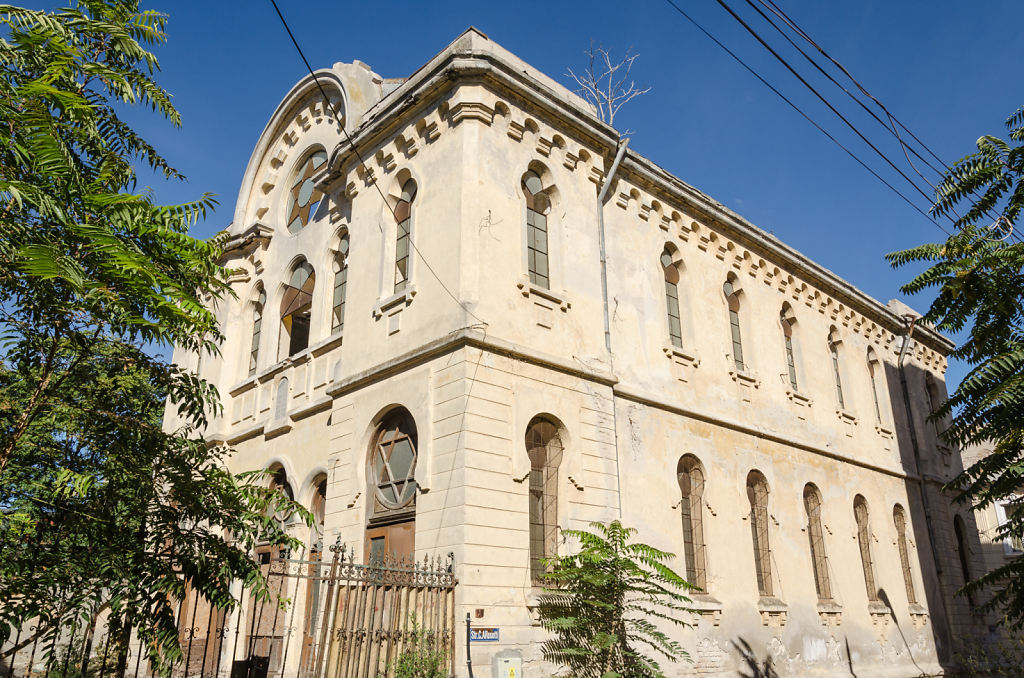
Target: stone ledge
x=528, y=289
x=403, y=299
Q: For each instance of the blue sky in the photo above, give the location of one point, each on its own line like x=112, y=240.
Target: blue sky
x=950, y=70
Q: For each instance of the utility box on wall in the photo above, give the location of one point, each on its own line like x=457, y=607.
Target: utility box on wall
x=508, y=665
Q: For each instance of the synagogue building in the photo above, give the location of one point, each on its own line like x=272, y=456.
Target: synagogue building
x=468, y=316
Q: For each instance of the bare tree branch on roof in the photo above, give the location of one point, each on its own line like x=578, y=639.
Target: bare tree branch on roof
x=604, y=83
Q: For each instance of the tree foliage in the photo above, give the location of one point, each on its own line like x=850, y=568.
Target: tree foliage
x=978, y=274
x=609, y=603
x=99, y=506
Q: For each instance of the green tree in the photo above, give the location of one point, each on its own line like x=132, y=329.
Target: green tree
x=98, y=504
x=978, y=274
x=608, y=605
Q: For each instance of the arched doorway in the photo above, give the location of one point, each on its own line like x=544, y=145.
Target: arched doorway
x=391, y=476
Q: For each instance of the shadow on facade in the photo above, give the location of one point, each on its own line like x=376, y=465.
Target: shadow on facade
x=945, y=557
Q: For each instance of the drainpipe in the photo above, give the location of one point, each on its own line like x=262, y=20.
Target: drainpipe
x=910, y=320
x=600, y=239
x=620, y=153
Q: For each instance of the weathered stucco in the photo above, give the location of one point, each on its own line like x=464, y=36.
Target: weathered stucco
x=474, y=351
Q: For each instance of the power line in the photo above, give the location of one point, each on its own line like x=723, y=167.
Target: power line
x=805, y=116
x=341, y=124
x=816, y=93
x=894, y=122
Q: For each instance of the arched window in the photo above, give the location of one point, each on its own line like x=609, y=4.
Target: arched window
x=537, y=207
x=318, y=507
x=279, y=481
x=900, y=519
x=690, y=475
x=296, y=306
x=961, y=550
x=757, y=494
x=257, y=327
x=303, y=198
x=544, y=447
x=788, y=320
x=671, y=270
x=340, y=285
x=833, y=350
x=733, y=298
x=393, y=465
x=860, y=514
x=812, y=505
x=875, y=372
x=403, y=242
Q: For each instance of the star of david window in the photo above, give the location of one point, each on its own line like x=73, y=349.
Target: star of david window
x=303, y=197
x=393, y=463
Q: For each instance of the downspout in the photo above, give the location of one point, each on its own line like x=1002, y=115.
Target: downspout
x=910, y=320
x=620, y=153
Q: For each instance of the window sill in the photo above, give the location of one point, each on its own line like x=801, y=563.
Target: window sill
x=330, y=343
x=773, y=611
x=269, y=373
x=311, y=408
x=799, y=398
x=682, y=356
x=707, y=606
x=882, y=430
x=243, y=386
x=846, y=416
x=878, y=608
x=399, y=299
x=830, y=613
x=529, y=289
x=745, y=378
x=277, y=427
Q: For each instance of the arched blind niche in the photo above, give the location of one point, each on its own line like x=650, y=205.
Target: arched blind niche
x=544, y=448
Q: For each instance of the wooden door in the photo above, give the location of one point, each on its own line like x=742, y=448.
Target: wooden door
x=396, y=540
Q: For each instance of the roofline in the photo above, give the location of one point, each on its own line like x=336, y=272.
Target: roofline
x=463, y=60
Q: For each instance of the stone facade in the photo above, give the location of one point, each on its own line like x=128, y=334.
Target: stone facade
x=473, y=349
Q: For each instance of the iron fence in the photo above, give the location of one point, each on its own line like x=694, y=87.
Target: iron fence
x=325, y=619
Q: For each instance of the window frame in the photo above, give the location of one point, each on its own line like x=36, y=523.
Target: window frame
x=546, y=457
x=691, y=509
x=757, y=495
x=816, y=539
x=862, y=518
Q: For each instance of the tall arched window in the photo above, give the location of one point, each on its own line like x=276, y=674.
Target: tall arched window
x=544, y=447
x=303, y=198
x=812, y=505
x=340, y=286
x=900, y=519
x=393, y=466
x=875, y=372
x=860, y=514
x=961, y=550
x=671, y=270
x=935, y=402
x=788, y=321
x=733, y=298
x=690, y=475
x=314, y=578
x=757, y=494
x=403, y=243
x=537, y=207
x=257, y=328
x=833, y=350
x=296, y=306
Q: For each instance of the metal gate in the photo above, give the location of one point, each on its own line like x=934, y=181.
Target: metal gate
x=326, y=619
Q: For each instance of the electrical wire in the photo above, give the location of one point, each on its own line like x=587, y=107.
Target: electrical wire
x=341, y=125
x=894, y=122
x=805, y=116
x=823, y=100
